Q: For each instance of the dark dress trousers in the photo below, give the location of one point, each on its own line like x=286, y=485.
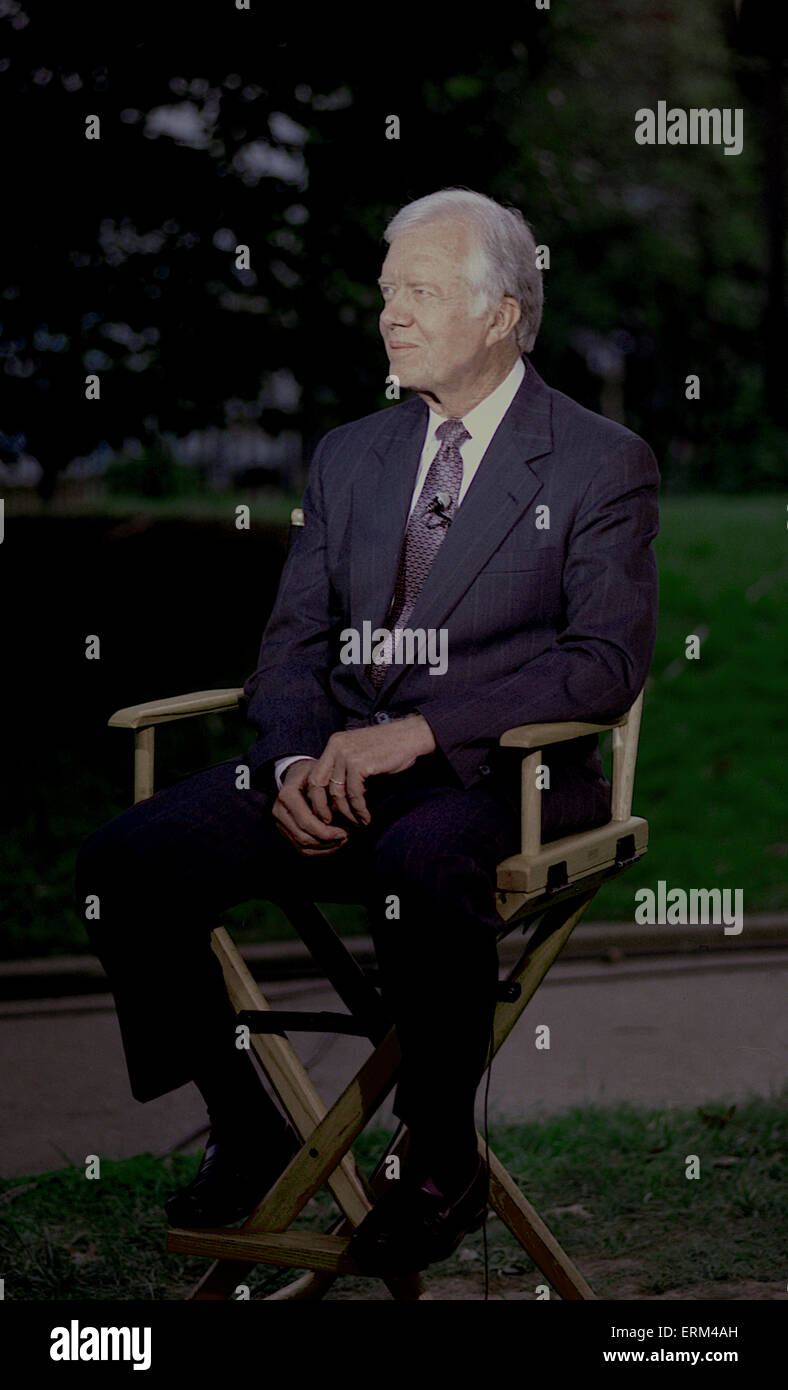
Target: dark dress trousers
x=546, y=585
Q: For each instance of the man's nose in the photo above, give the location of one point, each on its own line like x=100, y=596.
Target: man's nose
x=396, y=310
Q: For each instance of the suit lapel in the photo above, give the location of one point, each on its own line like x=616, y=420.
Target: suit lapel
x=381, y=502
x=503, y=487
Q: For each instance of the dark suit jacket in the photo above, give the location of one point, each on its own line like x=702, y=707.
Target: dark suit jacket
x=543, y=624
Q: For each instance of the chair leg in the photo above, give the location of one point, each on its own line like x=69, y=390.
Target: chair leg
x=311, y=1167
x=324, y=1157
x=308, y=1287
x=507, y=1200
x=313, y=1284
x=307, y=1171
x=552, y=934
x=287, y=1074
x=533, y=1235
x=276, y=1212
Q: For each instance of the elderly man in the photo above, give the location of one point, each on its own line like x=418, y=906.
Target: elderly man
x=500, y=513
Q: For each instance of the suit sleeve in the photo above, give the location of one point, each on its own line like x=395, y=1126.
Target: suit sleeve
x=290, y=706
x=599, y=661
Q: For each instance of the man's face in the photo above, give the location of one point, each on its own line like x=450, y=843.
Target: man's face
x=432, y=341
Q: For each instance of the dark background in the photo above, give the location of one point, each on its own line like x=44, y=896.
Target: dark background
x=669, y=258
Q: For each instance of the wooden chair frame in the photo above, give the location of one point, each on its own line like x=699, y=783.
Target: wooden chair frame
x=545, y=887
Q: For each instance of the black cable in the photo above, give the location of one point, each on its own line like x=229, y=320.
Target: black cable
x=487, y=1150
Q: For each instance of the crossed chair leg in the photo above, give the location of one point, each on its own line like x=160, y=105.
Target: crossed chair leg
x=267, y=1235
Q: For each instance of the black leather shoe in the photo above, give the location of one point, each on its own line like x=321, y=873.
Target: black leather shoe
x=414, y=1225
x=233, y=1175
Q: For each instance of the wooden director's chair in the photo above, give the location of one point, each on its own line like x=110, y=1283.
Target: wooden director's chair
x=547, y=888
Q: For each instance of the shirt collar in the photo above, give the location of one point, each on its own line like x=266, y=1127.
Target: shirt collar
x=482, y=422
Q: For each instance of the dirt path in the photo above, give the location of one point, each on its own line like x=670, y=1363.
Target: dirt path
x=471, y=1287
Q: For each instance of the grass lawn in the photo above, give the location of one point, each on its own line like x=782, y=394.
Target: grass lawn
x=710, y=772
x=610, y=1183
x=711, y=768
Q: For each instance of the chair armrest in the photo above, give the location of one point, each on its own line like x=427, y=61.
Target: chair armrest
x=539, y=735
x=535, y=737
x=176, y=707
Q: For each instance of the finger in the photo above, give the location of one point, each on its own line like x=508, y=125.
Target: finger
x=315, y=849
x=338, y=790
x=306, y=827
x=326, y=849
x=298, y=837
x=314, y=790
x=356, y=796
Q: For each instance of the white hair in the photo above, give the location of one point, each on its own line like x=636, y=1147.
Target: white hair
x=502, y=260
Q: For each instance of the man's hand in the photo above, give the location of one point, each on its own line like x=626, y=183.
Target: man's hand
x=296, y=819
x=302, y=809
x=349, y=758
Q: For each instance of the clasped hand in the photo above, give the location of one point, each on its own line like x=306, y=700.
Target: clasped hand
x=312, y=790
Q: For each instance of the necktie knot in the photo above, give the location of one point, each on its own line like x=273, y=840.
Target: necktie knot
x=452, y=432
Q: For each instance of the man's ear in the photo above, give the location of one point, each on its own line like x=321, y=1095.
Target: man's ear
x=505, y=319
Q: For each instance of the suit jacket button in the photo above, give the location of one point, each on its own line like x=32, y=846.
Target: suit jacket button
x=381, y=717
x=484, y=769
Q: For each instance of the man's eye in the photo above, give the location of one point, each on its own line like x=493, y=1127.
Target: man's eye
x=387, y=290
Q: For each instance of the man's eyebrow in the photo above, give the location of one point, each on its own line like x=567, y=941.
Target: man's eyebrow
x=384, y=280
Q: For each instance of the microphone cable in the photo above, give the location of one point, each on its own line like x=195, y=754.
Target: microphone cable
x=487, y=1148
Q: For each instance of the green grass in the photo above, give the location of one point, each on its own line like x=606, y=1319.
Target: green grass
x=711, y=766
x=644, y=1226
x=270, y=506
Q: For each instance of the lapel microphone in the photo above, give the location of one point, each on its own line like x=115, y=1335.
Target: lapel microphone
x=438, y=506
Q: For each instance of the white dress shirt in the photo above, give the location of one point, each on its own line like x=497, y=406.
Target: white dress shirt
x=481, y=423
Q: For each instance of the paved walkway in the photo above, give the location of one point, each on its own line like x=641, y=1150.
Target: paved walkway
x=676, y=1030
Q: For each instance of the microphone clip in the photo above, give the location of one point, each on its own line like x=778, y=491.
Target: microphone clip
x=438, y=506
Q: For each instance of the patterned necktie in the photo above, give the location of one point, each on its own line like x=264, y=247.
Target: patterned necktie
x=424, y=536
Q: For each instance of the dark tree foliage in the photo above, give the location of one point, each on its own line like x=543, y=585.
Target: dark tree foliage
x=119, y=253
